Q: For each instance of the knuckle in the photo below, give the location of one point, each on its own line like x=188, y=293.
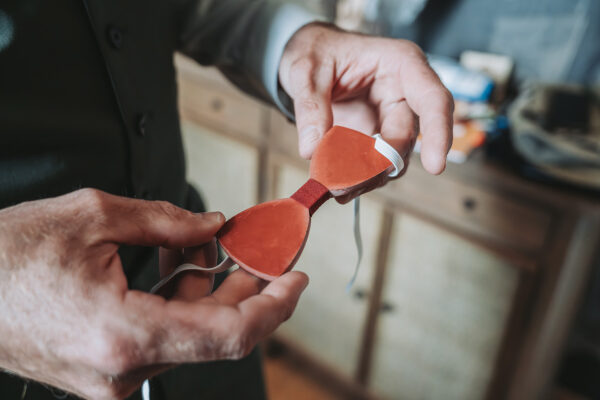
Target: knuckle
x=409, y=49
x=439, y=98
x=305, y=77
x=309, y=105
x=93, y=201
x=93, y=205
x=114, y=354
x=414, y=50
x=442, y=93
x=303, y=65
x=169, y=209
x=90, y=197
x=446, y=99
x=450, y=100
x=287, y=311
x=286, y=308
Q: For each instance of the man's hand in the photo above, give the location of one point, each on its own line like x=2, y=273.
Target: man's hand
x=370, y=84
x=69, y=320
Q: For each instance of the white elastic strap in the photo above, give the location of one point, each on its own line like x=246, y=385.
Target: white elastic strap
x=223, y=266
x=390, y=153
x=146, y=390
x=357, y=242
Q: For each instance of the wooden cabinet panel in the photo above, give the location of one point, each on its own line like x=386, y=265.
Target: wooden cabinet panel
x=494, y=217
x=328, y=322
x=219, y=106
x=448, y=302
x=224, y=170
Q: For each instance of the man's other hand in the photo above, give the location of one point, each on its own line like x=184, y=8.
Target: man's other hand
x=69, y=320
x=371, y=84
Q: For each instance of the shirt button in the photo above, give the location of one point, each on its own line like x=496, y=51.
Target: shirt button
x=115, y=37
x=142, y=121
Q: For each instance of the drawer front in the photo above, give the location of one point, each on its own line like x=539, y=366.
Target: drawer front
x=212, y=104
x=477, y=212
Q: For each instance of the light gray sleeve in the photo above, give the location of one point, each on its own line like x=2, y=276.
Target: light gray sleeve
x=245, y=40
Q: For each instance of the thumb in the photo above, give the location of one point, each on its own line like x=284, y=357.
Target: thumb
x=309, y=84
x=313, y=118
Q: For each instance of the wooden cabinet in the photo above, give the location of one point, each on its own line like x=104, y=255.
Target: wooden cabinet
x=469, y=280
x=473, y=209
x=446, y=303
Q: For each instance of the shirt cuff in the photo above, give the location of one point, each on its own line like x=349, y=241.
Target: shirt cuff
x=287, y=20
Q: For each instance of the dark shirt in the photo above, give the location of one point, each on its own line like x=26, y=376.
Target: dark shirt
x=88, y=98
x=88, y=101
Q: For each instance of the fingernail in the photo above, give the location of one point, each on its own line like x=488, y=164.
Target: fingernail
x=214, y=216
x=433, y=164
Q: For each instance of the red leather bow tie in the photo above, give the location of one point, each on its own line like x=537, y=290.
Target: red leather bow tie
x=267, y=239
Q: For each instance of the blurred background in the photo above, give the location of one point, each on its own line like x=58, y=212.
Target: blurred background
x=481, y=283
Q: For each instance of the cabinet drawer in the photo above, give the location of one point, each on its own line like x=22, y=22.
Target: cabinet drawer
x=223, y=108
x=478, y=212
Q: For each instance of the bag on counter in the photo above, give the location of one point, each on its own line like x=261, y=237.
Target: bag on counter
x=556, y=128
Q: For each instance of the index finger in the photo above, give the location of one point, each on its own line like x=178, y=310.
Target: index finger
x=129, y=221
x=433, y=103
